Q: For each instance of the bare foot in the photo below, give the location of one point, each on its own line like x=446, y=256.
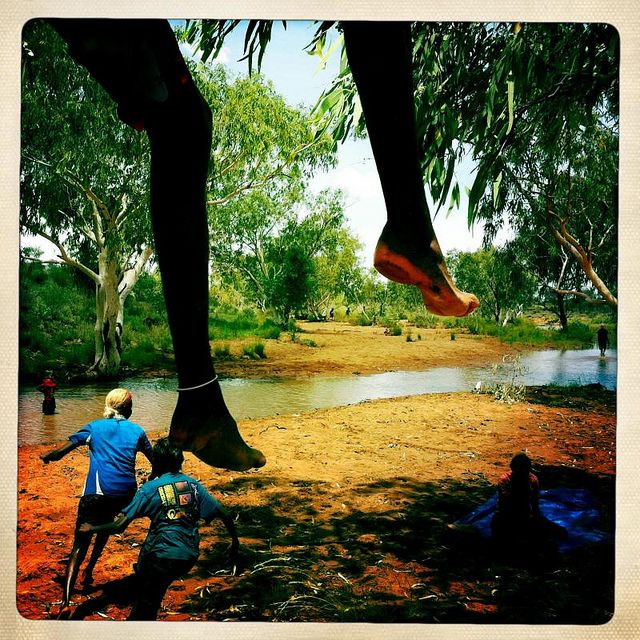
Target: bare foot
x=202, y=424
x=400, y=256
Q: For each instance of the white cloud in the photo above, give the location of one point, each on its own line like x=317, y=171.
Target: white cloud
x=189, y=53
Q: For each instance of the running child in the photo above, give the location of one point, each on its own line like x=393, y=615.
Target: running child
x=113, y=443
x=175, y=503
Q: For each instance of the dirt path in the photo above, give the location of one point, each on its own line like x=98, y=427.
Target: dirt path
x=348, y=519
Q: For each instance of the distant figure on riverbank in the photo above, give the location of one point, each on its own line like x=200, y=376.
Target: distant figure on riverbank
x=47, y=387
x=519, y=530
x=174, y=502
x=603, y=340
x=113, y=443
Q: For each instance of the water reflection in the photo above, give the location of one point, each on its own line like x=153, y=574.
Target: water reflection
x=154, y=399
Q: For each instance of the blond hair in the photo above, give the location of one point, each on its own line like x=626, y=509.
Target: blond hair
x=118, y=403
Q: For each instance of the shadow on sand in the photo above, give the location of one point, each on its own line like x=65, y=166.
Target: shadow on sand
x=308, y=557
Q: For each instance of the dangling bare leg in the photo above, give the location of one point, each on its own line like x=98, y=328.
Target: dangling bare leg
x=408, y=252
x=139, y=63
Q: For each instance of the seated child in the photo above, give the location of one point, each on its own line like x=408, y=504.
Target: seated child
x=518, y=528
x=174, y=503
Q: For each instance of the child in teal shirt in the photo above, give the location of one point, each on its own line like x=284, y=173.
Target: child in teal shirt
x=175, y=503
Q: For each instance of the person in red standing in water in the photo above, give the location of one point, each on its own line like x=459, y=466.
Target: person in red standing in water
x=47, y=387
x=519, y=530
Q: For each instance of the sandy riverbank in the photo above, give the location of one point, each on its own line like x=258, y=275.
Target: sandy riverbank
x=348, y=519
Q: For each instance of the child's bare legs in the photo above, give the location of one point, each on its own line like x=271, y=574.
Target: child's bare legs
x=139, y=63
x=408, y=251
x=99, y=543
x=78, y=553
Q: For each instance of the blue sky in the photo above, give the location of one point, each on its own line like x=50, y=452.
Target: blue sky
x=299, y=78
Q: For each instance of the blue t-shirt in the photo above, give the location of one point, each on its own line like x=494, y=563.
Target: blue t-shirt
x=113, y=444
x=174, y=503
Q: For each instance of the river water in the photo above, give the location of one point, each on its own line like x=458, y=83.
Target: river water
x=154, y=399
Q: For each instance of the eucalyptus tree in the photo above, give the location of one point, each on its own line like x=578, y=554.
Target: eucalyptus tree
x=259, y=141
x=85, y=175
x=285, y=252
x=83, y=182
x=503, y=287
x=536, y=106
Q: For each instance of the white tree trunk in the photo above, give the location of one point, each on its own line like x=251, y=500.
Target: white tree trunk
x=111, y=294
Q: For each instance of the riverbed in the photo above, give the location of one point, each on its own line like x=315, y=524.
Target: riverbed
x=250, y=398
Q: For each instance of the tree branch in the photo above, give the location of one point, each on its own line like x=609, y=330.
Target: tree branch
x=67, y=259
x=588, y=298
x=131, y=276
x=261, y=183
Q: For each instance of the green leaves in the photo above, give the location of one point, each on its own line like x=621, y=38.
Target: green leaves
x=496, y=188
x=208, y=37
x=76, y=154
x=512, y=91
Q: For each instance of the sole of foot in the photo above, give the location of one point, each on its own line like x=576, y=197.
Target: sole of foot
x=439, y=294
x=219, y=445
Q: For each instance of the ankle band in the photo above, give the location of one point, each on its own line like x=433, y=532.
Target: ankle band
x=198, y=386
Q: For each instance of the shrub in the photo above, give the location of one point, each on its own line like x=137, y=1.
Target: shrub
x=270, y=330
x=394, y=330
x=426, y=321
x=222, y=352
x=141, y=354
x=255, y=351
x=293, y=329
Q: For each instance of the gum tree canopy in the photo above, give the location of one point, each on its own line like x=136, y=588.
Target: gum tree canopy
x=536, y=107
x=84, y=174
x=83, y=180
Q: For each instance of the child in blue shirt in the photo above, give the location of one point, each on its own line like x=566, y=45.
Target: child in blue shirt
x=175, y=503
x=113, y=443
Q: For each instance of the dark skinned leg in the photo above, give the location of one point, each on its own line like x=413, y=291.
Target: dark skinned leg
x=78, y=553
x=180, y=135
x=408, y=252
x=98, y=547
x=138, y=62
x=153, y=578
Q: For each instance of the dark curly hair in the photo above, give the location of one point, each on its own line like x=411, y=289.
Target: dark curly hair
x=167, y=458
x=520, y=462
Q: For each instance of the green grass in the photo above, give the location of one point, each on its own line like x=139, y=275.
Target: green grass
x=523, y=331
x=222, y=352
x=255, y=351
x=228, y=323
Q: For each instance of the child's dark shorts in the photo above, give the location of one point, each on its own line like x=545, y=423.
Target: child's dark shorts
x=98, y=509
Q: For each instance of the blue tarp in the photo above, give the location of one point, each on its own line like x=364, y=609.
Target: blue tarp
x=574, y=509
